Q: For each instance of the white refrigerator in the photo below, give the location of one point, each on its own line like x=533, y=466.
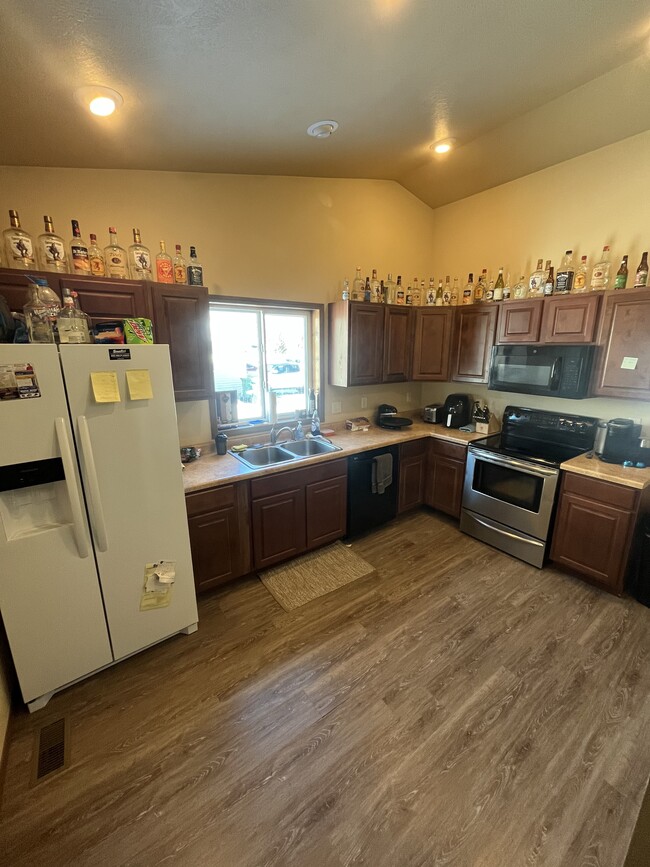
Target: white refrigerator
x=95, y=560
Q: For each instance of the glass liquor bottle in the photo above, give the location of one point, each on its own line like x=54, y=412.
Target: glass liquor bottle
x=83, y=316
x=180, y=266
x=565, y=274
x=430, y=297
x=139, y=259
x=96, y=258
x=641, y=279
x=507, y=291
x=498, y=286
x=367, y=291
x=391, y=290
x=400, y=297
x=481, y=287
x=37, y=318
x=164, y=266
x=358, y=286
x=600, y=274
x=620, y=281
x=455, y=293
x=446, y=293
x=439, y=294
x=194, y=269
x=521, y=289
x=550, y=281
x=468, y=291
x=51, y=249
x=580, y=277
x=18, y=244
x=70, y=324
x=537, y=279
x=79, y=256
x=375, y=288
x=115, y=257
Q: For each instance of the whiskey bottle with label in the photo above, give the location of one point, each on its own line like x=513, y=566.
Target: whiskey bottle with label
x=164, y=266
x=79, y=255
x=375, y=288
x=180, y=266
x=600, y=274
x=400, y=297
x=455, y=293
x=580, y=277
x=358, y=286
x=468, y=291
x=139, y=259
x=18, y=244
x=537, y=279
x=115, y=257
x=440, y=295
x=620, y=281
x=391, y=290
x=565, y=274
x=498, y=286
x=51, y=249
x=96, y=258
x=549, y=284
x=194, y=269
x=446, y=293
x=481, y=287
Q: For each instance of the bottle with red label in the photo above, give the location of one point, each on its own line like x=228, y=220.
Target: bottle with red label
x=164, y=266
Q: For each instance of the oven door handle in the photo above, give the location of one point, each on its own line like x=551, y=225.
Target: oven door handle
x=513, y=463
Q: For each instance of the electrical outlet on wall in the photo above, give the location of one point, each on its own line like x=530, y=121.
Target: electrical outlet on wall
x=364, y=403
x=336, y=406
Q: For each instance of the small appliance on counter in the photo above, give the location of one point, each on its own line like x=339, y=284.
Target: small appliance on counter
x=621, y=441
x=387, y=417
x=432, y=413
x=457, y=410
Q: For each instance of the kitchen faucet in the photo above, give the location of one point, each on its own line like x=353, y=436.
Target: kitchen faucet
x=275, y=434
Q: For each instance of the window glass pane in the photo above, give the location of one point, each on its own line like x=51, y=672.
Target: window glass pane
x=287, y=360
x=237, y=361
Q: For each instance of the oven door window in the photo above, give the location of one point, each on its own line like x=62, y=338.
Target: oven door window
x=537, y=373
x=508, y=485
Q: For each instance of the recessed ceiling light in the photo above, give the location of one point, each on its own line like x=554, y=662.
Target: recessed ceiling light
x=99, y=100
x=444, y=146
x=323, y=128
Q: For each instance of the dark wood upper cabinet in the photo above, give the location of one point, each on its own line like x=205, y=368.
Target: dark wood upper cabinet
x=356, y=343
x=432, y=339
x=103, y=298
x=472, y=342
x=397, y=343
x=519, y=321
x=181, y=319
x=570, y=318
x=624, y=330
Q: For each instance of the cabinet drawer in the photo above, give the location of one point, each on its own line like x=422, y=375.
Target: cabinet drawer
x=602, y=492
x=414, y=449
x=210, y=500
x=446, y=449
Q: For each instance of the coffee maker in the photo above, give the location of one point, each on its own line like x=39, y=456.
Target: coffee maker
x=457, y=410
x=621, y=441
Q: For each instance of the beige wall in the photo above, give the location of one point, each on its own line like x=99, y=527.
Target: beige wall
x=584, y=203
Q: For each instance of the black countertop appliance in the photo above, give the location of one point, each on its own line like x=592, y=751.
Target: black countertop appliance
x=457, y=410
x=621, y=441
x=387, y=417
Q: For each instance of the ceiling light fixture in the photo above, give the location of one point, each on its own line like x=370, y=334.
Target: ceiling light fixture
x=100, y=101
x=443, y=146
x=322, y=128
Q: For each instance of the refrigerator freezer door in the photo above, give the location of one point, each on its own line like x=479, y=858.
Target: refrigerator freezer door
x=49, y=591
x=131, y=470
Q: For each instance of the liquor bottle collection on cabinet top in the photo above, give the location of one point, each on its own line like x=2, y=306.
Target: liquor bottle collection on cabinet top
x=49, y=252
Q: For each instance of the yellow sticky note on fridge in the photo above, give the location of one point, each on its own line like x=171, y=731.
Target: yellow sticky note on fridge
x=139, y=384
x=105, y=387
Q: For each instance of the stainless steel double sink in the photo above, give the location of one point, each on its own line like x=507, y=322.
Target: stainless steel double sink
x=286, y=452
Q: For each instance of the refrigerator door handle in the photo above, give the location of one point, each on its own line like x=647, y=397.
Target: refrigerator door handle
x=71, y=485
x=96, y=510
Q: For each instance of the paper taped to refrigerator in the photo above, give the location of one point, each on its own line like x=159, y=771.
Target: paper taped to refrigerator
x=158, y=582
x=139, y=384
x=105, y=387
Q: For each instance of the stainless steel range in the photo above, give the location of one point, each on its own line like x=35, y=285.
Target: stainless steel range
x=511, y=479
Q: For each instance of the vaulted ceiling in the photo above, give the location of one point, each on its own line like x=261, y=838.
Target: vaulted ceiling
x=232, y=85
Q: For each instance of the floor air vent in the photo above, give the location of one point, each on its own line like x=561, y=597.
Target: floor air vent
x=52, y=751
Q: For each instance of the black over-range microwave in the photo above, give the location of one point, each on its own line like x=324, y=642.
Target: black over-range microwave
x=556, y=371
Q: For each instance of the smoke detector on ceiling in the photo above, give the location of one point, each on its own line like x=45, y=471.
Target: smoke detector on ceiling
x=323, y=128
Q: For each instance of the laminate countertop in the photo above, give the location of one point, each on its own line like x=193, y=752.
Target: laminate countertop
x=212, y=470
x=631, y=477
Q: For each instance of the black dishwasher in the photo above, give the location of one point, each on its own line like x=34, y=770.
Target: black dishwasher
x=366, y=509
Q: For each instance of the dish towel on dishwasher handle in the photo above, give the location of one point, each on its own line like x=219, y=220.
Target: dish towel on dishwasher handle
x=382, y=473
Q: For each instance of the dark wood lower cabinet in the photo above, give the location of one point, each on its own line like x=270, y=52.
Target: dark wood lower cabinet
x=297, y=510
x=445, y=476
x=219, y=523
x=594, y=529
x=412, y=471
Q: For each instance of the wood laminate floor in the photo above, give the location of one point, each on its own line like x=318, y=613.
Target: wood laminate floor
x=456, y=708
